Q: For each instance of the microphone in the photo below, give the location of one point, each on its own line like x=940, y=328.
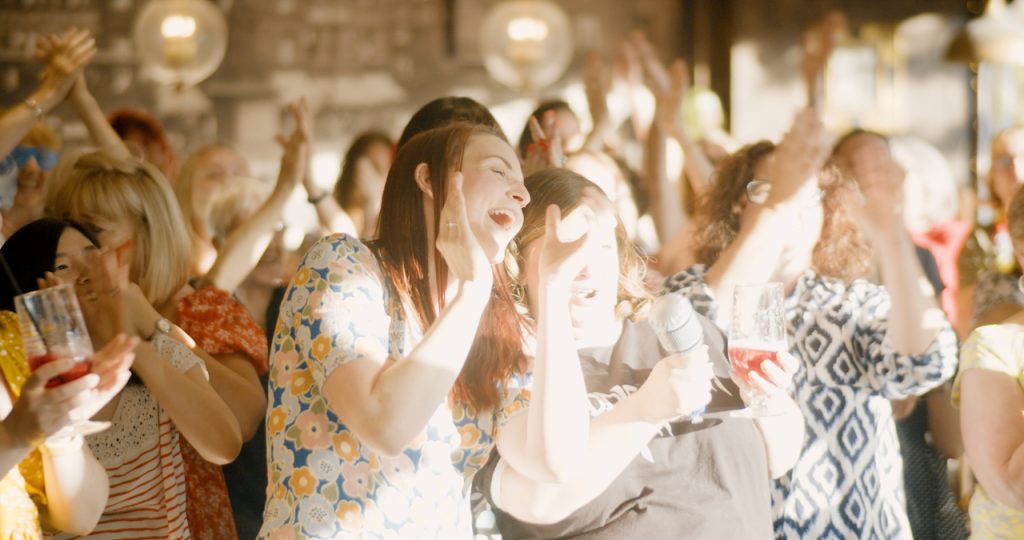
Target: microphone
x=678, y=329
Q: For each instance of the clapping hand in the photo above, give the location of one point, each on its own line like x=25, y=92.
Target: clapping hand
x=65, y=57
x=459, y=246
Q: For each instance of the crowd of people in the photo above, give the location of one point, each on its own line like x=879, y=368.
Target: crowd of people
x=469, y=348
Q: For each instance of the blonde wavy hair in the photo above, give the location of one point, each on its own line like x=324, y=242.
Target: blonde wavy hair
x=100, y=186
x=565, y=188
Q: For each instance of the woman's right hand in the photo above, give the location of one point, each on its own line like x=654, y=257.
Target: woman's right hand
x=459, y=246
x=565, y=245
x=677, y=386
x=65, y=57
x=41, y=412
x=798, y=158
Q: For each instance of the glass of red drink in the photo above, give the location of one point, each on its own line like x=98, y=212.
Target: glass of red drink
x=757, y=334
x=52, y=327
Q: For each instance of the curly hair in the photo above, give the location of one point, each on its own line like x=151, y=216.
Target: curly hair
x=841, y=251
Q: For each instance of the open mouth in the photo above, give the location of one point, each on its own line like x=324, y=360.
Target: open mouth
x=583, y=293
x=504, y=218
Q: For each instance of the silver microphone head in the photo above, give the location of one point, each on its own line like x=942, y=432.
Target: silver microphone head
x=675, y=322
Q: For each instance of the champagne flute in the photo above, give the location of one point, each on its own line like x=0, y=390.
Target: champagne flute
x=52, y=328
x=757, y=334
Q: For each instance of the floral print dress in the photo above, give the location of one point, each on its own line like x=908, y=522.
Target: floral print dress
x=323, y=481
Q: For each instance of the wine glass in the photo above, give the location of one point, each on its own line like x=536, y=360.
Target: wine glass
x=52, y=328
x=757, y=334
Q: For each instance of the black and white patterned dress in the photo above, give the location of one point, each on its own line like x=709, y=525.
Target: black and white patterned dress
x=848, y=481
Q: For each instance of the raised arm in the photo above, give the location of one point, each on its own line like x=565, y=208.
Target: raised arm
x=387, y=402
x=916, y=317
x=245, y=245
x=754, y=253
x=85, y=105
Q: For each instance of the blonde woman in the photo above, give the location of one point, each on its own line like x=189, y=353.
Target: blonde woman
x=204, y=351
x=989, y=390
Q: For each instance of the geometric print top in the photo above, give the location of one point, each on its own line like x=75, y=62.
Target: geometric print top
x=848, y=481
x=323, y=481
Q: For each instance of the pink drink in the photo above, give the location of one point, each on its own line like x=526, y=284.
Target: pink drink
x=78, y=370
x=746, y=359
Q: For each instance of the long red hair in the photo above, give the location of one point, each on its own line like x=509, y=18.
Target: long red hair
x=402, y=246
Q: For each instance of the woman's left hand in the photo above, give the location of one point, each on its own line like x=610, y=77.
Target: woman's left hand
x=775, y=383
x=563, y=251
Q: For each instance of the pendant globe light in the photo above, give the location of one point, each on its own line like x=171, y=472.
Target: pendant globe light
x=526, y=44
x=180, y=42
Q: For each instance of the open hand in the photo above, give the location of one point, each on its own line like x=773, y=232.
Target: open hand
x=545, y=151
x=65, y=57
x=457, y=243
x=798, y=158
x=565, y=248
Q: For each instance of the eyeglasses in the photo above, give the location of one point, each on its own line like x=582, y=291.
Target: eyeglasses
x=45, y=158
x=758, y=190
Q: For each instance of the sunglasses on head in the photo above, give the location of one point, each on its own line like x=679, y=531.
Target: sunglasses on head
x=45, y=158
x=758, y=190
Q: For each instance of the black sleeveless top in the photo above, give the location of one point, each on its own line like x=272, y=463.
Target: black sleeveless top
x=707, y=480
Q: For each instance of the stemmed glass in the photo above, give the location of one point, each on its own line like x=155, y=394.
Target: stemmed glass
x=757, y=334
x=52, y=328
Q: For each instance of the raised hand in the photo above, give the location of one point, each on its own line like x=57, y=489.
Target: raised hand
x=545, y=151
x=798, y=158
x=597, y=83
x=65, y=57
x=879, y=208
x=816, y=46
x=563, y=252
x=677, y=386
x=457, y=243
x=669, y=101
x=296, y=147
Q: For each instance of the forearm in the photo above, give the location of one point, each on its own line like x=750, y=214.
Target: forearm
x=915, y=318
x=329, y=214
x=200, y=415
x=558, y=419
x=76, y=489
x=101, y=132
x=15, y=124
x=666, y=207
x=402, y=397
x=12, y=450
x=783, y=436
x=944, y=423
x=697, y=167
x=615, y=439
x=237, y=384
x=750, y=258
x=245, y=245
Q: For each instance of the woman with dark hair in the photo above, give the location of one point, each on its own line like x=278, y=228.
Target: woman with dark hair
x=642, y=477
x=561, y=117
x=769, y=218
x=397, y=363
x=48, y=475
x=446, y=110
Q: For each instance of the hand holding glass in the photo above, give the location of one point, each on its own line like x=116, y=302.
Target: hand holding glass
x=757, y=334
x=52, y=327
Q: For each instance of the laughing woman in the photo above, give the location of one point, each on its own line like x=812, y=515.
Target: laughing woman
x=396, y=363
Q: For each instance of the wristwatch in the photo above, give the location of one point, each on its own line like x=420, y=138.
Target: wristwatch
x=162, y=326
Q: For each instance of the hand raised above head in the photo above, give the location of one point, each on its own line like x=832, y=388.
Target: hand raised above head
x=545, y=151
x=798, y=158
x=65, y=56
x=566, y=246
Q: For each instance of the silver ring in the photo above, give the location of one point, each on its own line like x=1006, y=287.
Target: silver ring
x=451, y=223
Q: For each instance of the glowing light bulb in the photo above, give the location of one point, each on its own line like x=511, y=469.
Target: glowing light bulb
x=527, y=29
x=178, y=26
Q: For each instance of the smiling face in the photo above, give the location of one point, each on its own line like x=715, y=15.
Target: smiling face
x=73, y=251
x=594, y=292
x=494, y=192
